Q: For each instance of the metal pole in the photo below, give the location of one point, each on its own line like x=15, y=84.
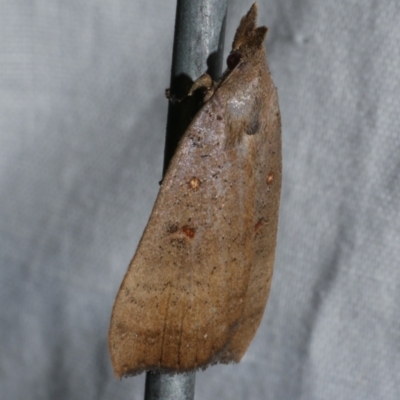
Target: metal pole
x=198, y=47
x=168, y=387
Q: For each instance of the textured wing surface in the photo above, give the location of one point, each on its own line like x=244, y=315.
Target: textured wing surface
x=196, y=289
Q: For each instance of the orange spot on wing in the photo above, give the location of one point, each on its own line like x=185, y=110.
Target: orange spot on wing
x=189, y=232
x=270, y=178
x=194, y=183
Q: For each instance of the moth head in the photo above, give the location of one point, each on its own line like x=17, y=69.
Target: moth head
x=248, y=39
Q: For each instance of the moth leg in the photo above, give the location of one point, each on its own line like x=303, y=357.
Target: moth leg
x=204, y=83
x=172, y=97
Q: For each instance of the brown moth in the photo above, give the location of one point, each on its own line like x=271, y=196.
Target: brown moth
x=196, y=289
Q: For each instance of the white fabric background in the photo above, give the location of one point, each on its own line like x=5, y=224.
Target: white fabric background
x=82, y=125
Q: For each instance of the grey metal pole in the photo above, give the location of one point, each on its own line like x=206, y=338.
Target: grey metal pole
x=198, y=47
x=168, y=387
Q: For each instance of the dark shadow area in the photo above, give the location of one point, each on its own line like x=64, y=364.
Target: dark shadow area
x=181, y=113
x=183, y=108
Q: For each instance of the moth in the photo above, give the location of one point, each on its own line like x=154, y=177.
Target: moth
x=197, y=287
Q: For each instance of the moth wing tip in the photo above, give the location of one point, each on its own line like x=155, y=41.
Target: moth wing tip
x=248, y=34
